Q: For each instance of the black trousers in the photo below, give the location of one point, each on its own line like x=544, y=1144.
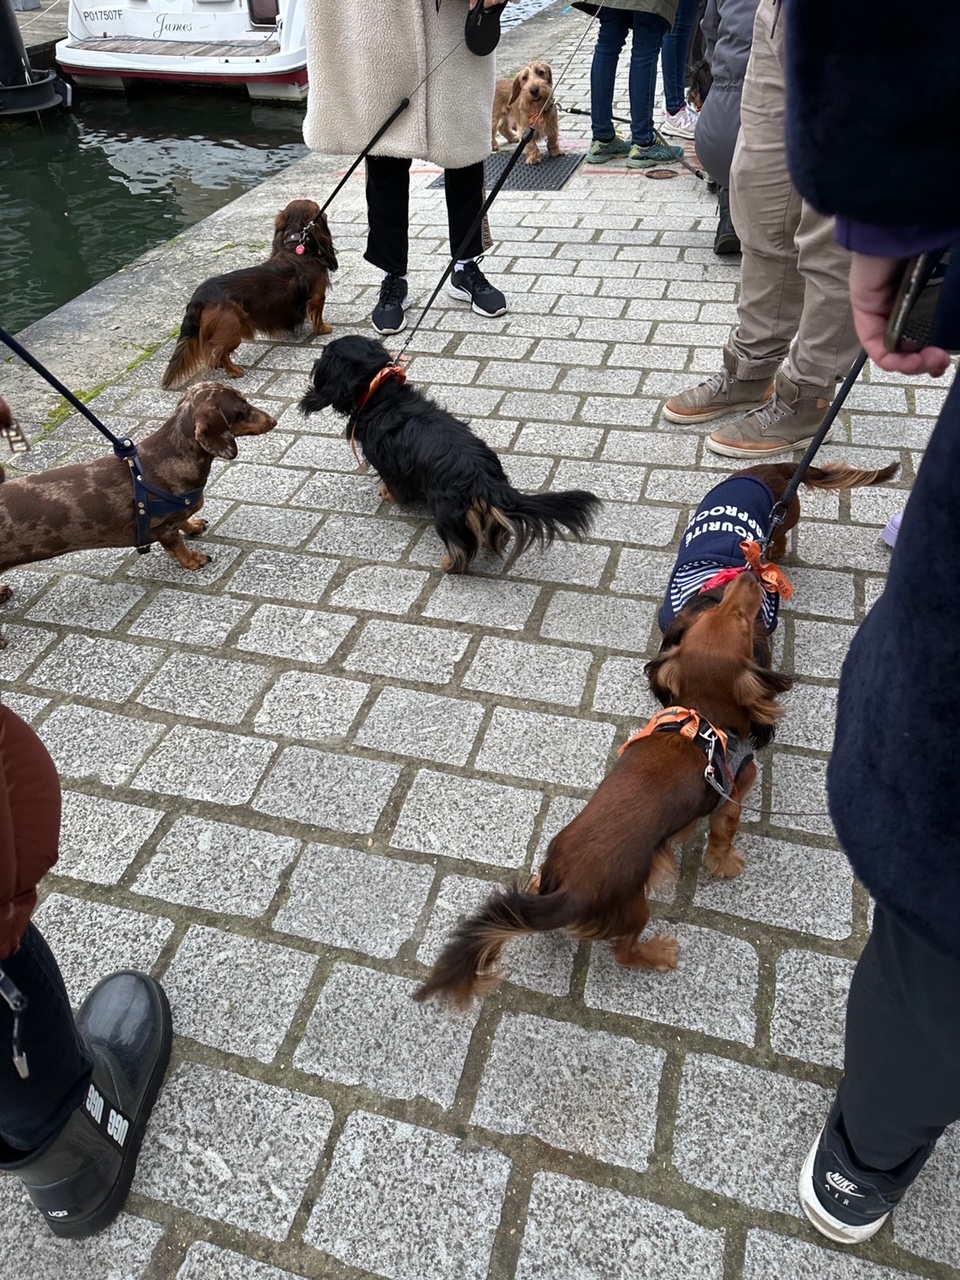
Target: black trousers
x=901, y=1083
x=34, y=1109
x=388, y=211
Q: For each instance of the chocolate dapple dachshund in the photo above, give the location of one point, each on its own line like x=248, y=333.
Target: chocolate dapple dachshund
x=91, y=504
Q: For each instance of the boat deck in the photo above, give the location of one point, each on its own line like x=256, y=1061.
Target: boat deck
x=179, y=48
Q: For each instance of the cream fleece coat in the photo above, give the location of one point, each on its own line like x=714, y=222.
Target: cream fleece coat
x=365, y=56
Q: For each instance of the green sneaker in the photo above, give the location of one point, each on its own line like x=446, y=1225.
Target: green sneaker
x=650, y=157
x=613, y=149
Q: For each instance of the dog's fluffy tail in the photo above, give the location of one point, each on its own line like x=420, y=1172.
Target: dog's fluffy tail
x=467, y=965
x=538, y=518
x=188, y=357
x=837, y=475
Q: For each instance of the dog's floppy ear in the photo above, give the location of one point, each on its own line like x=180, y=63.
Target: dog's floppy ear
x=324, y=242
x=213, y=433
x=663, y=674
x=755, y=690
x=515, y=91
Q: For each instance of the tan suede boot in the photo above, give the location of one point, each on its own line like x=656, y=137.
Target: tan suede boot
x=786, y=422
x=723, y=393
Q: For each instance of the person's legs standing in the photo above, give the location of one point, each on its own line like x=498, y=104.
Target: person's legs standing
x=900, y=1088
x=388, y=219
x=613, y=26
x=680, y=120
x=464, y=195
x=463, y=189
x=793, y=277
x=645, y=153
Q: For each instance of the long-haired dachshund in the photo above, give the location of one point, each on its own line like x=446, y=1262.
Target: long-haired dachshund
x=693, y=760
x=90, y=504
x=527, y=100
x=422, y=453
x=273, y=298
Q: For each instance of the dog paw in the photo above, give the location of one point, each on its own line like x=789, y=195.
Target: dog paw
x=446, y=562
x=661, y=952
x=322, y=329
x=725, y=865
x=194, y=527
x=385, y=493
x=195, y=560
x=6, y=593
x=537, y=159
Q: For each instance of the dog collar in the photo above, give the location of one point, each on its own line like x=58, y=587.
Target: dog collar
x=389, y=373
x=724, y=751
x=722, y=578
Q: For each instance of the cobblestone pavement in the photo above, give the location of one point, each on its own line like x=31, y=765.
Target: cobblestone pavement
x=287, y=774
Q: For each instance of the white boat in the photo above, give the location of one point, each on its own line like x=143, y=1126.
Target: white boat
x=257, y=43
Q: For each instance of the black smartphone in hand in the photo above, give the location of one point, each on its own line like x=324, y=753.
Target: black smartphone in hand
x=926, y=311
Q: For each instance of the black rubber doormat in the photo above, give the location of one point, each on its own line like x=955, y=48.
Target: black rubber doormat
x=550, y=175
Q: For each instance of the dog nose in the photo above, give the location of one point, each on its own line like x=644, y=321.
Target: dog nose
x=534, y=92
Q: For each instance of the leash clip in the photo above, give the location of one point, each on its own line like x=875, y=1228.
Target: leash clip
x=17, y=1001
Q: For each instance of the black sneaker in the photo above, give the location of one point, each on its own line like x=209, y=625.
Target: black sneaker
x=472, y=286
x=838, y=1198
x=388, y=315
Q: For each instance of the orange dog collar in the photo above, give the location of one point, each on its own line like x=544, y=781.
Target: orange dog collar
x=389, y=373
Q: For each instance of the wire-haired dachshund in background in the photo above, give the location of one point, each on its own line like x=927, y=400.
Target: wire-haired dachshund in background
x=693, y=760
x=90, y=504
x=422, y=453
x=273, y=298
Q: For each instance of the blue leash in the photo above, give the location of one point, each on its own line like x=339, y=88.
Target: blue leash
x=150, y=502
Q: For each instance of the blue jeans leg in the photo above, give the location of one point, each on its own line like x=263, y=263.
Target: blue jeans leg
x=648, y=32
x=673, y=58
x=34, y=1109
x=611, y=36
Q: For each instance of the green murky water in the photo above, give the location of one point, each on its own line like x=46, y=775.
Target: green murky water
x=83, y=193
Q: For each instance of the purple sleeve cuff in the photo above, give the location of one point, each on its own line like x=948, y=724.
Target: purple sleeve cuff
x=893, y=242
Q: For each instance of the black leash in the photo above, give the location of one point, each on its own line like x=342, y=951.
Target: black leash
x=150, y=502
x=373, y=141
x=474, y=227
x=780, y=508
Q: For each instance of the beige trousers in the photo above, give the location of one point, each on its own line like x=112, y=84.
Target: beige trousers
x=794, y=297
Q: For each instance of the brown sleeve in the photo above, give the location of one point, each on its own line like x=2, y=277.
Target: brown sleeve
x=29, y=824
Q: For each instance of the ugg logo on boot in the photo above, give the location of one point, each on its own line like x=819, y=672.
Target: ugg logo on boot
x=117, y=1127
x=94, y=1103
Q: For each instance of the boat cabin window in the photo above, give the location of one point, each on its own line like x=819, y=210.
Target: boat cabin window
x=263, y=13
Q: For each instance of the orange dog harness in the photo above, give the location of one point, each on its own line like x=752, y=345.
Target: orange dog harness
x=725, y=752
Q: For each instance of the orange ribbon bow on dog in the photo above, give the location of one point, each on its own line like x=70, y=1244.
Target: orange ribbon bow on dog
x=772, y=578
